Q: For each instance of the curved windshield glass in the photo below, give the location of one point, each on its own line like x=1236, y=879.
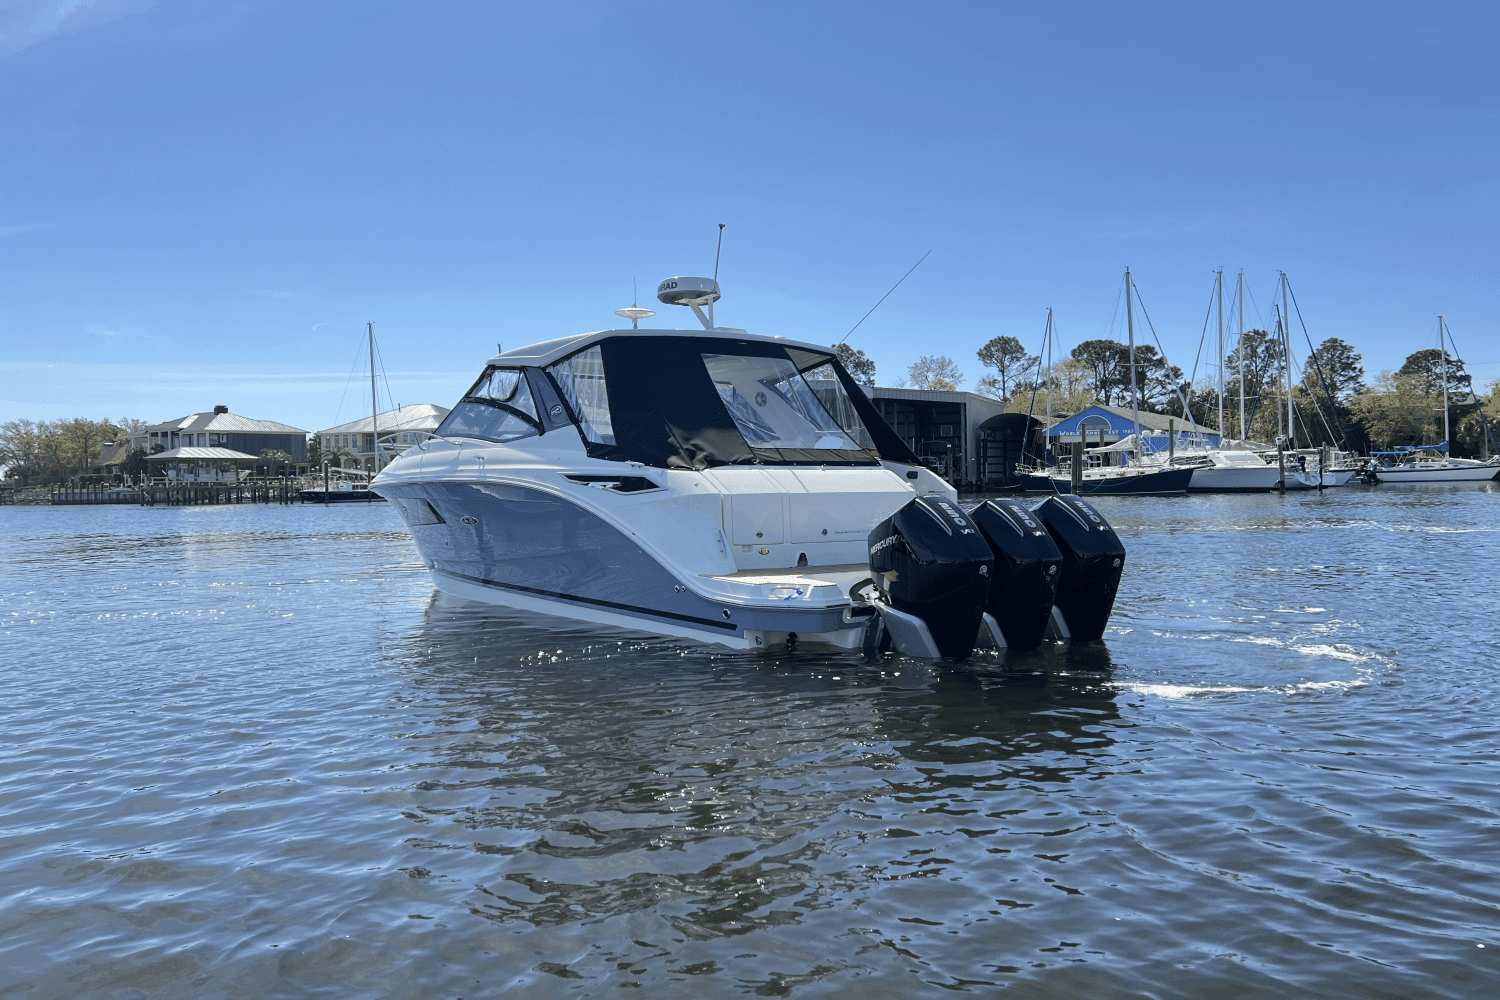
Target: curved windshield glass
x=498, y=408
x=772, y=405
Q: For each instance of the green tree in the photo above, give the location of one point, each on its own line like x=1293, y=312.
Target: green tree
x=50, y=447
x=1157, y=381
x=1341, y=370
x=1108, y=363
x=1469, y=433
x=857, y=364
x=1398, y=410
x=935, y=371
x=1010, y=361
x=1428, y=368
x=82, y=440
x=1068, y=381
x=1340, y=366
x=21, y=449
x=1259, y=357
x=134, y=463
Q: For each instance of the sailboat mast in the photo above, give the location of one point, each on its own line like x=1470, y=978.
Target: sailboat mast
x=374, y=430
x=1219, y=291
x=1443, y=360
x=1239, y=293
x=1135, y=402
x=1286, y=343
x=1048, y=376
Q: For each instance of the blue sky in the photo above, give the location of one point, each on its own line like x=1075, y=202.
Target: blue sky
x=205, y=202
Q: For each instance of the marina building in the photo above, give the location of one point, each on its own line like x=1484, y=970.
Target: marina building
x=352, y=445
x=964, y=437
x=1106, y=425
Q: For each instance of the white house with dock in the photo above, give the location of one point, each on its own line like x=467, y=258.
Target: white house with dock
x=399, y=429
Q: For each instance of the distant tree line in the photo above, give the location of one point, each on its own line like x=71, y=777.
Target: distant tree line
x=31, y=450
x=1332, y=402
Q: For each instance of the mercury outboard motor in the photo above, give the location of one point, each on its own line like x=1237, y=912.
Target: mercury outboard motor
x=1024, y=579
x=1092, y=561
x=932, y=575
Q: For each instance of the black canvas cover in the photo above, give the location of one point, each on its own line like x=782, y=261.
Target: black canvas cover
x=666, y=411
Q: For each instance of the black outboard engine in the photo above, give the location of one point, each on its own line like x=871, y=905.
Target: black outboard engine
x=1092, y=561
x=932, y=575
x=1027, y=569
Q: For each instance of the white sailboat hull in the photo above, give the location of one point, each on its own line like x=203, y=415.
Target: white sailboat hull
x=1438, y=474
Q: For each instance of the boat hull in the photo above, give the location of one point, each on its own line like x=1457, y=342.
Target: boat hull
x=1157, y=482
x=1452, y=474
x=522, y=547
x=339, y=496
x=1213, y=479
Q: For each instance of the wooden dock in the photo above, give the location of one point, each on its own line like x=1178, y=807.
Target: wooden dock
x=186, y=494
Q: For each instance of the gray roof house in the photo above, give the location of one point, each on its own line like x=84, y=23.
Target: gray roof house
x=218, y=428
x=399, y=430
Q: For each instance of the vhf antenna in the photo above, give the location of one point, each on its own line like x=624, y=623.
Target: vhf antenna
x=883, y=298
x=716, y=272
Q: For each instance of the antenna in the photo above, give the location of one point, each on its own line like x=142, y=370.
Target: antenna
x=884, y=297
x=716, y=272
x=634, y=313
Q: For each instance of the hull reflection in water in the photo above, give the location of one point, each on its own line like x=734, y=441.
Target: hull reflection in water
x=709, y=805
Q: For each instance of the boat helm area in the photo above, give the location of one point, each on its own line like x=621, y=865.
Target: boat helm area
x=685, y=402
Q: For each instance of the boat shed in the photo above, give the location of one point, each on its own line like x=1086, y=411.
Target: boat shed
x=203, y=465
x=1116, y=424
x=941, y=427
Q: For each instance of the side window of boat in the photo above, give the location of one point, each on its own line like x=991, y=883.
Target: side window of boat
x=498, y=408
x=581, y=379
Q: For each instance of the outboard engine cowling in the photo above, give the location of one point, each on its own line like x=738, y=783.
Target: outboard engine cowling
x=1092, y=561
x=932, y=568
x=1027, y=569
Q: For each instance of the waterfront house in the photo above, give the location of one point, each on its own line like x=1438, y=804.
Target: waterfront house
x=214, y=445
x=399, y=429
x=218, y=428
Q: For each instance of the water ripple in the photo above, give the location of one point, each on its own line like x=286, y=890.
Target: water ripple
x=252, y=753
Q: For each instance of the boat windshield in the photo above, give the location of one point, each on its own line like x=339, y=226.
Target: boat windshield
x=772, y=405
x=498, y=408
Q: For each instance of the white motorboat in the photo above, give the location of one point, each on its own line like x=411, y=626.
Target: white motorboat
x=1233, y=472
x=692, y=483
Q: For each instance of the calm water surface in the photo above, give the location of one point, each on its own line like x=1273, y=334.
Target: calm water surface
x=250, y=753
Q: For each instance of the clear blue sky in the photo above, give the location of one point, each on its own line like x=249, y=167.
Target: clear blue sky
x=204, y=202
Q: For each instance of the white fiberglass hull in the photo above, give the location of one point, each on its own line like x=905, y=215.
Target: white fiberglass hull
x=1436, y=473
x=1234, y=479
x=742, y=557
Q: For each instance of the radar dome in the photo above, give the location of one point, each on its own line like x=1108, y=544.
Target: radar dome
x=688, y=291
